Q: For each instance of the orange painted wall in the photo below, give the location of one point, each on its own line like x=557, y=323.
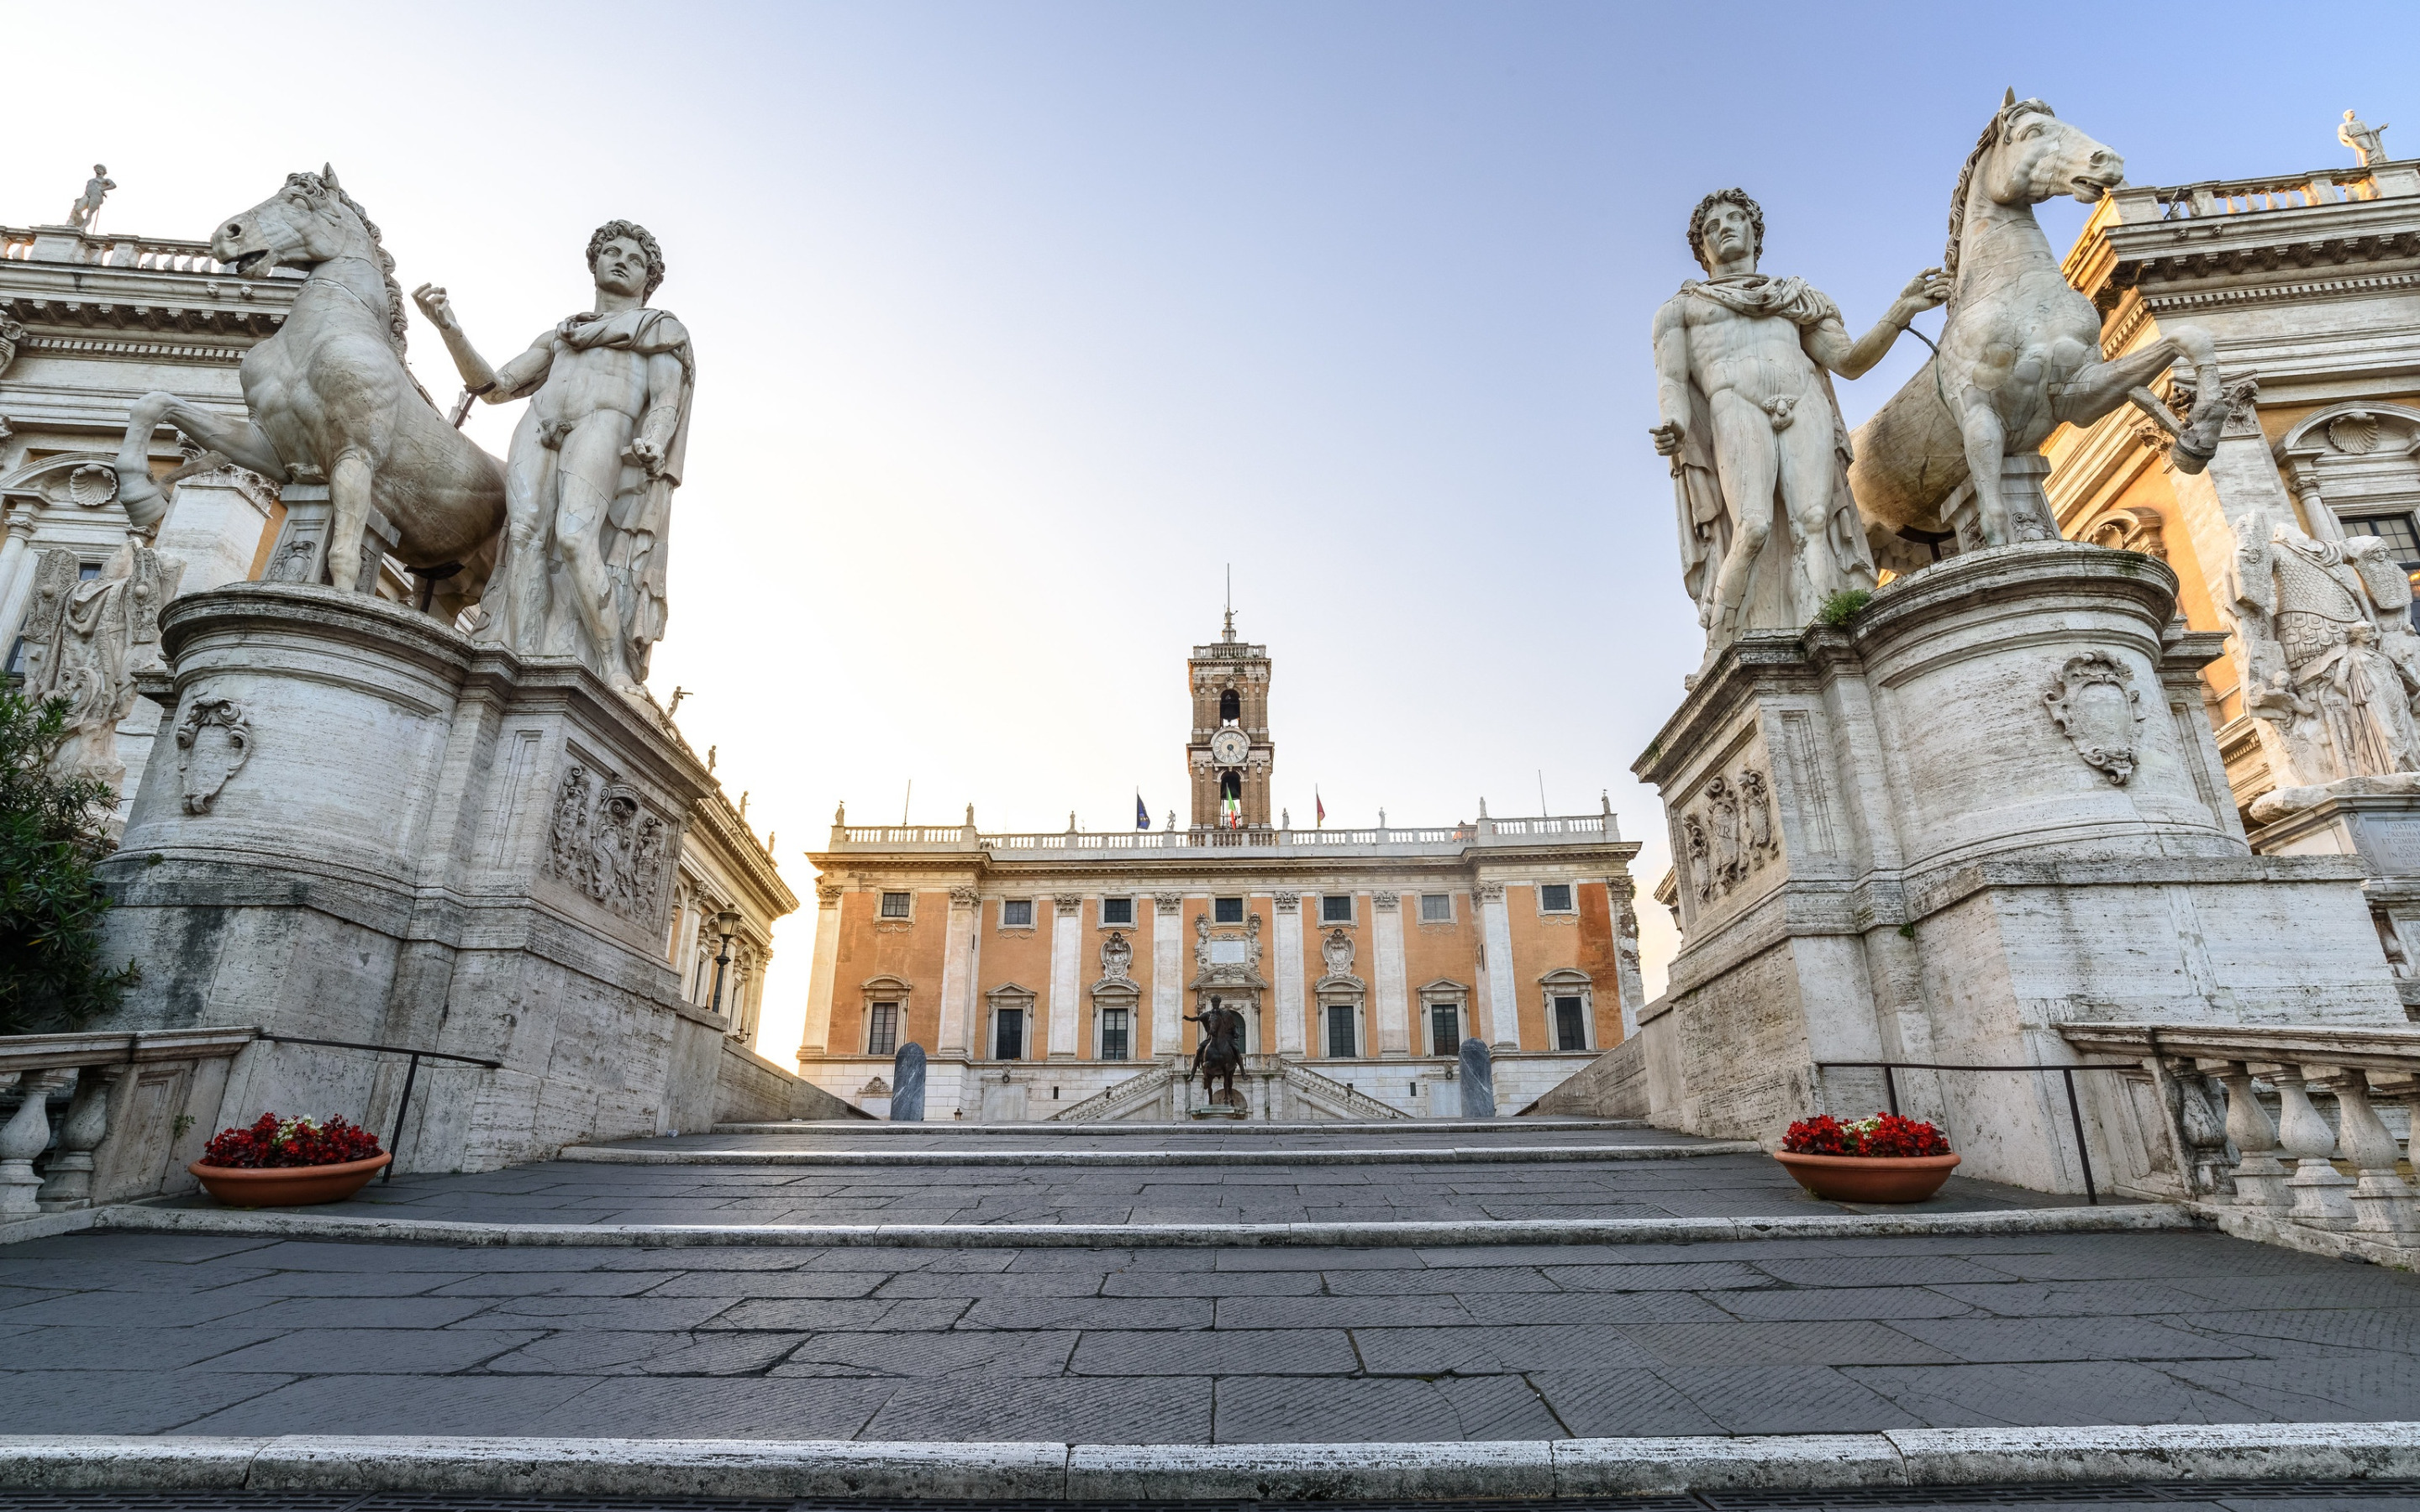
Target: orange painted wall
x=913, y=955
x=1440, y=951
x=1548, y=942
x=1019, y=956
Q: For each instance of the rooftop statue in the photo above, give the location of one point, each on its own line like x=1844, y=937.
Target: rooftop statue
x=2369, y=143
x=85, y=211
x=329, y=398
x=1743, y=391
x=2020, y=349
x=593, y=463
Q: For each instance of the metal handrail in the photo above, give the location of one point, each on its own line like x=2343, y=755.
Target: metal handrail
x=2067, y=1073
x=410, y=1074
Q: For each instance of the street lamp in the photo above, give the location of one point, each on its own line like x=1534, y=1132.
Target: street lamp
x=727, y=924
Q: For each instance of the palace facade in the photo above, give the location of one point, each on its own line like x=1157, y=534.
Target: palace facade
x=1052, y=975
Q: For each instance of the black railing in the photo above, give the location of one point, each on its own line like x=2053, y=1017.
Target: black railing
x=410, y=1074
x=2067, y=1074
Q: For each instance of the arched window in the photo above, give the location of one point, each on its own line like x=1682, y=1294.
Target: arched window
x=1230, y=785
x=1231, y=708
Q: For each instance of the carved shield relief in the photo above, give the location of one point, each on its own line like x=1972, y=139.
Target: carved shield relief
x=2095, y=706
x=213, y=741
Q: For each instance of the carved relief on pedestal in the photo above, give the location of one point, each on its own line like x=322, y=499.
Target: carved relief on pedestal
x=2093, y=702
x=604, y=843
x=213, y=741
x=1727, y=835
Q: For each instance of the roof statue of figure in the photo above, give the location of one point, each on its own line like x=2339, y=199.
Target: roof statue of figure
x=589, y=480
x=1744, y=394
x=85, y=211
x=2369, y=143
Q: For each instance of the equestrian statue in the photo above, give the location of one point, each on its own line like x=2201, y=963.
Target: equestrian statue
x=1219, y=1053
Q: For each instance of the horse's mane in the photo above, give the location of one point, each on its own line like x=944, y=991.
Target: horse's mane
x=399, y=325
x=1992, y=134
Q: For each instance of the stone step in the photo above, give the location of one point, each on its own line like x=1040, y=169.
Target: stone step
x=289, y=1224
x=1414, y=1128
x=1408, y=1155
x=2181, y=1454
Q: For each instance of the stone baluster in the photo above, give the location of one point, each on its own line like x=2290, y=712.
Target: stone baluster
x=22, y=1138
x=2259, y=1179
x=70, y=1181
x=2319, y=1187
x=2382, y=1200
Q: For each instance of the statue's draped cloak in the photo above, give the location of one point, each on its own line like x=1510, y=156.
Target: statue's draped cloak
x=1705, y=520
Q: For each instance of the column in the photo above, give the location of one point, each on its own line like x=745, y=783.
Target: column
x=819, y=975
x=1167, y=976
x=1394, y=1013
x=16, y=573
x=1067, y=931
x=1501, y=1012
x=1289, y=974
x=958, y=973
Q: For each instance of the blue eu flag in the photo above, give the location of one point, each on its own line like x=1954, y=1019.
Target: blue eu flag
x=1142, y=815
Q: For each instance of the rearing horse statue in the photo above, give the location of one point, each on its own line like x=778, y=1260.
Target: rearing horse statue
x=329, y=397
x=2020, y=350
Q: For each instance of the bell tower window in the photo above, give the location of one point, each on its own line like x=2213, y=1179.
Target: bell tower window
x=1231, y=708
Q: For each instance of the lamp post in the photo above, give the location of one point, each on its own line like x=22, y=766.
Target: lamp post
x=726, y=923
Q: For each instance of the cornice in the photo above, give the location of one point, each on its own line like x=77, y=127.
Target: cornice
x=736, y=844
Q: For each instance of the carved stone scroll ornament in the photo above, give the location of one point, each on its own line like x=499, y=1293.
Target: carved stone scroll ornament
x=213, y=741
x=2094, y=703
x=1117, y=956
x=1337, y=952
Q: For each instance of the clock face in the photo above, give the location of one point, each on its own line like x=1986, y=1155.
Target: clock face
x=1228, y=747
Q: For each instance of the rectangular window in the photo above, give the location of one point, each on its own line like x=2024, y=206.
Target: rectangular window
x=1008, y=1034
x=894, y=906
x=1227, y=910
x=1113, y=1034
x=883, y=1029
x=2402, y=539
x=1117, y=911
x=1336, y=908
x=1571, y=1030
x=1017, y=913
x=1554, y=896
x=1340, y=1040
x=1445, y=1028
x=1437, y=908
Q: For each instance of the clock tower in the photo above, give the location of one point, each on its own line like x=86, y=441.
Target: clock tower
x=1229, y=756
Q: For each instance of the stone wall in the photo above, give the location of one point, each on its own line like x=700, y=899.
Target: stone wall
x=1614, y=1086
x=751, y=1089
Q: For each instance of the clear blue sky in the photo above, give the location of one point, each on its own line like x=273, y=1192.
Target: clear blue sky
x=1017, y=323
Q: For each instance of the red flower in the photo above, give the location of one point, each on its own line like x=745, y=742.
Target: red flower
x=1885, y=1134
x=272, y=1141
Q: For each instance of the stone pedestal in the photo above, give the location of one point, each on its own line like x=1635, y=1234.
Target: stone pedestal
x=359, y=825
x=1989, y=805
x=2375, y=820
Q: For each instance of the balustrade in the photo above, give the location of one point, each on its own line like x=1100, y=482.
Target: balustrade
x=2286, y=1170
x=2249, y=197
x=126, y=1130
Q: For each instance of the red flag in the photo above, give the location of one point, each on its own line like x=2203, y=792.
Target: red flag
x=1320, y=817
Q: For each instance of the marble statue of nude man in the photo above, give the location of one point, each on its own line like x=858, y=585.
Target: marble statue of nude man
x=589, y=478
x=1745, y=397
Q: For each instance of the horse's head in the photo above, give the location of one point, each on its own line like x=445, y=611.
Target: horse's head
x=303, y=225
x=2028, y=155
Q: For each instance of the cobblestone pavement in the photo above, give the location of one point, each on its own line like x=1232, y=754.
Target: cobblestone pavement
x=146, y=1333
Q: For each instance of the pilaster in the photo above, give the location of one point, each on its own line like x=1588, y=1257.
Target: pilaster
x=958, y=973
x=1394, y=1012
x=1289, y=974
x=819, y=975
x=16, y=573
x=1066, y=945
x=1500, y=1012
x=1167, y=976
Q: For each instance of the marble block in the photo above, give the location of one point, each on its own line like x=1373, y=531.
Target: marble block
x=359, y=825
x=908, y=1084
x=1478, y=1080
x=1989, y=805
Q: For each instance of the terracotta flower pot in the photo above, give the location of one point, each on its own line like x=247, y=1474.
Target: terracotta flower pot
x=288, y=1187
x=1868, y=1178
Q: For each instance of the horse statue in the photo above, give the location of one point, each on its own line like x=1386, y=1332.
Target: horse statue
x=1220, y=1053
x=329, y=399
x=2020, y=349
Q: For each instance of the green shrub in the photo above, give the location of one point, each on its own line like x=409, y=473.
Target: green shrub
x=53, y=832
x=1840, y=608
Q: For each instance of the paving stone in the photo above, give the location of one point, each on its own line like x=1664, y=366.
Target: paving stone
x=980, y=1352
x=359, y=1312
x=2053, y=1394
x=748, y=1407
x=75, y=1350
x=1287, y=1352
x=1170, y=1409
x=153, y=1309
x=802, y=1315
x=1203, y=1283
x=373, y=1352
x=999, y=1284
x=1768, y=1399
x=646, y=1313
x=1811, y=1303
x=121, y=1401
x=814, y=1283
x=1340, y=1312
x=1097, y=1312
x=1979, y=1340
x=1713, y=1345
x=1431, y=1351
x=1288, y=1410
x=2351, y=1387
x=599, y=1352
x=1720, y=1276
x=2394, y=1330
x=1619, y=1404
x=475, y=1405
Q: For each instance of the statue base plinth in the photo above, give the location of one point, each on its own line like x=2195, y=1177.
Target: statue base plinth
x=1989, y=805
x=359, y=825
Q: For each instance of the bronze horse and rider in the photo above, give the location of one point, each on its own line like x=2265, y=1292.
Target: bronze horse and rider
x=1220, y=1051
